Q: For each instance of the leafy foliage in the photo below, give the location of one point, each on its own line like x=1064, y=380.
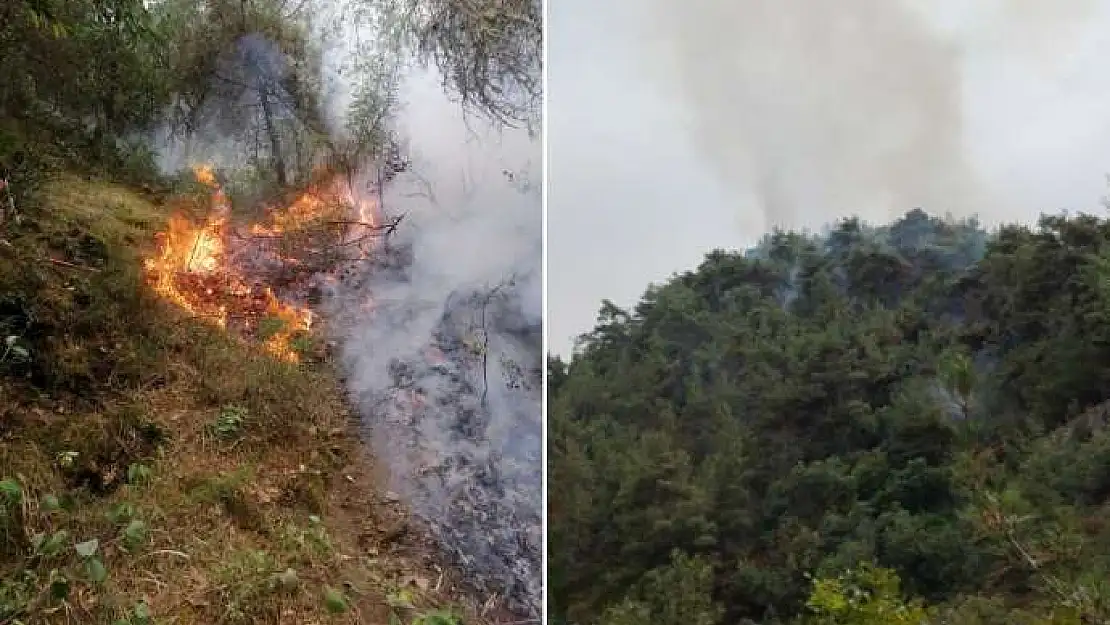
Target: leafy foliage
x=910, y=413
x=865, y=596
x=489, y=52
x=80, y=79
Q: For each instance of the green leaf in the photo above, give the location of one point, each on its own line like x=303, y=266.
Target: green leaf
x=52, y=546
x=134, y=534
x=59, y=588
x=121, y=512
x=87, y=548
x=334, y=601
x=138, y=473
x=229, y=423
x=11, y=491
x=141, y=613
x=50, y=503
x=96, y=571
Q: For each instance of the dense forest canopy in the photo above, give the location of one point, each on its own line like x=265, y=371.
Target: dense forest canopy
x=873, y=425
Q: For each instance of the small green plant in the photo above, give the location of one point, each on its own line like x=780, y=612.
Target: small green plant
x=249, y=581
x=121, y=513
x=47, y=547
x=402, y=602
x=312, y=541
x=11, y=493
x=15, y=591
x=50, y=503
x=287, y=580
x=301, y=344
x=268, y=327
x=11, y=516
x=94, y=566
x=134, y=535
x=139, y=615
x=59, y=586
x=22, y=589
x=138, y=473
x=44, y=579
x=335, y=601
x=436, y=617
x=229, y=423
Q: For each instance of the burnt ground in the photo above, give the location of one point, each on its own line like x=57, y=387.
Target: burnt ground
x=456, y=414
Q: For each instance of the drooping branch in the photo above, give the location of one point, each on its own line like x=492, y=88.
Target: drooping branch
x=488, y=52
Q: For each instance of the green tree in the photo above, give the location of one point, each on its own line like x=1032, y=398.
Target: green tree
x=866, y=595
x=677, y=594
x=825, y=400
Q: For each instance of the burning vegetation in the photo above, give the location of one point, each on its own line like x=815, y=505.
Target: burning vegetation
x=463, y=407
x=231, y=276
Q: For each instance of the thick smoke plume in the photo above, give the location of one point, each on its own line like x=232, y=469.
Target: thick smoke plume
x=442, y=341
x=823, y=109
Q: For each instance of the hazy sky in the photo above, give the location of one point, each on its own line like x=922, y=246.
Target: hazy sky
x=677, y=126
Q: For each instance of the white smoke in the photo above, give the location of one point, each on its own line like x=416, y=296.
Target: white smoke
x=441, y=339
x=445, y=359
x=825, y=109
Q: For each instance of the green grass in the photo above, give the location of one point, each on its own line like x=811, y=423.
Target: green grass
x=213, y=478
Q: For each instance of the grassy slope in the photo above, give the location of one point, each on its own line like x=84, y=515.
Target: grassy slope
x=142, y=395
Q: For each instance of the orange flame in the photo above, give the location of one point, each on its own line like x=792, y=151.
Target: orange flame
x=205, y=175
x=191, y=270
x=293, y=321
x=188, y=249
x=306, y=208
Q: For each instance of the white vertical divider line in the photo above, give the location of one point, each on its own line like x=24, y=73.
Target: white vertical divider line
x=546, y=308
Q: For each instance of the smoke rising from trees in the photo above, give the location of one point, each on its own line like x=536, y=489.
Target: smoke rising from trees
x=826, y=109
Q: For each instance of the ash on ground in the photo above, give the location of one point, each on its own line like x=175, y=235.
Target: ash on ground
x=451, y=393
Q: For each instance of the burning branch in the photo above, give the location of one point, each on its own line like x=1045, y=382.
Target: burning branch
x=204, y=271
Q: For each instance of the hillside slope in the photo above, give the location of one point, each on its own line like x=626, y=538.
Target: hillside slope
x=877, y=425
x=152, y=464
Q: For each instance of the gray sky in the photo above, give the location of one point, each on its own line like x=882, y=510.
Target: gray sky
x=677, y=126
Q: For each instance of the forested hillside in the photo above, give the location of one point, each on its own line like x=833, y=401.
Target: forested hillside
x=877, y=425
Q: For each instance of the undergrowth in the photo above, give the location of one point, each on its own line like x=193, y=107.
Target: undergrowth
x=154, y=469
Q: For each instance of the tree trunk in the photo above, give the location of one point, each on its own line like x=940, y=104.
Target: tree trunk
x=275, y=140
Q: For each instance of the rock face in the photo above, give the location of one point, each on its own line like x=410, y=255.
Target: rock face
x=450, y=391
